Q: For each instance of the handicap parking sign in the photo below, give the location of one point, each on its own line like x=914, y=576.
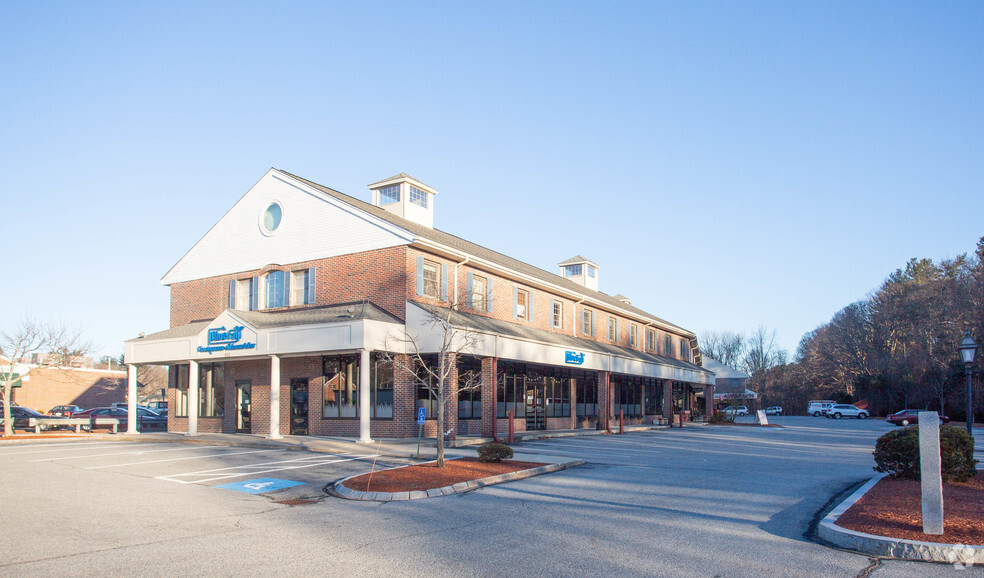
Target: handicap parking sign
x=421, y=415
x=260, y=485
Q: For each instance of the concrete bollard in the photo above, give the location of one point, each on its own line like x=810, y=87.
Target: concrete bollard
x=931, y=479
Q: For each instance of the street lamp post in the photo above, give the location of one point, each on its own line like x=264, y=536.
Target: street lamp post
x=968, y=347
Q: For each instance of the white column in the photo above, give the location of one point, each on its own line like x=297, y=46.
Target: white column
x=274, y=398
x=131, y=399
x=364, y=388
x=193, y=379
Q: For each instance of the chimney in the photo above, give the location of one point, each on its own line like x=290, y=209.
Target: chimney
x=581, y=271
x=406, y=197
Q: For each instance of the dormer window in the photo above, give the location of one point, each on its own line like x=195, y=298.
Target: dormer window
x=591, y=271
x=417, y=197
x=572, y=271
x=389, y=195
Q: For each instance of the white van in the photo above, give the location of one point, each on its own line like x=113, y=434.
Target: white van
x=818, y=407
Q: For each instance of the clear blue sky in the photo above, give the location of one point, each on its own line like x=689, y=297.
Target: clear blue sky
x=727, y=164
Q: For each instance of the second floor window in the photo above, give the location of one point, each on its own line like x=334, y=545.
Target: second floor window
x=432, y=279
x=479, y=292
x=522, y=309
x=651, y=340
x=557, y=314
x=275, y=289
x=302, y=287
x=612, y=329
x=587, y=322
x=667, y=345
x=245, y=296
x=633, y=335
x=683, y=349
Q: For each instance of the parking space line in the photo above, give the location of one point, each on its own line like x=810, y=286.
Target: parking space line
x=136, y=452
x=180, y=459
x=77, y=447
x=322, y=461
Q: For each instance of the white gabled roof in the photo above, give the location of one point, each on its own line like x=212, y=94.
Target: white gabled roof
x=314, y=225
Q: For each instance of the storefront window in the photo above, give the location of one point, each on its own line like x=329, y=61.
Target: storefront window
x=558, y=395
x=211, y=390
x=469, y=388
x=427, y=386
x=586, y=394
x=181, y=391
x=628, y=397
x=341, y=386
x=381, y=395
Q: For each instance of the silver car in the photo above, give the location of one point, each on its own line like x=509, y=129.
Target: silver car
x=839, y=410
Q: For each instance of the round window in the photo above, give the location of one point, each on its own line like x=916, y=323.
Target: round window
x=272, y=217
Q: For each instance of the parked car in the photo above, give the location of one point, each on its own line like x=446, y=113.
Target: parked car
x=158, y=406
x=818, y=407
x=735, y=410
x=839, y=410
x=65, y=410
x=23, y=416
x=774, y=410
x=146, y=419
x=910, y=416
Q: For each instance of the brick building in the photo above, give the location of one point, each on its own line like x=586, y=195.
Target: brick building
x=317, y=292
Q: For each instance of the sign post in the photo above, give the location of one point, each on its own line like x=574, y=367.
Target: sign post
x=421, y=416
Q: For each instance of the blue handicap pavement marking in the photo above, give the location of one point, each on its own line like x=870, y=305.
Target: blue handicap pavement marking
x=260, y=485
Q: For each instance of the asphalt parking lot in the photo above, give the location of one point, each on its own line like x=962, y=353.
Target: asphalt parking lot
x=713, y=501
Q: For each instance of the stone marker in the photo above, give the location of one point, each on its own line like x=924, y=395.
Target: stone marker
x=931, y=479
x=763, y=420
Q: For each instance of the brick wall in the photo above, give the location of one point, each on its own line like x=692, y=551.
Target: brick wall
x=377, y=276
x=49, y=386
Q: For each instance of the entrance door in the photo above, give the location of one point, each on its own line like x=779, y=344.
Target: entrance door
x=299, y=407
x=243, y=406
x=536, y=411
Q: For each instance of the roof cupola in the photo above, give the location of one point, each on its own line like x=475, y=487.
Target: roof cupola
x=405, y=197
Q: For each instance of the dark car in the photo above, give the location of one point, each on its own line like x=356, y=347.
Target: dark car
x=24, y=415
x=910, y=416
x=146, y=419
x=65, y=410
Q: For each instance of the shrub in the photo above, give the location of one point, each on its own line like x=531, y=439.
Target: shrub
x=717, y=417
x=492, y=452
x=897, y=453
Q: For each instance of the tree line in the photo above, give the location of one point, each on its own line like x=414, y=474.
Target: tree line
x=894, y=349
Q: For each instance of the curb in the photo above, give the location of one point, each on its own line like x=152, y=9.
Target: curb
x=338, y=490
x=892, y=547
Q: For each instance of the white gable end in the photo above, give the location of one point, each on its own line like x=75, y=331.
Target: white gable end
x=312, y=226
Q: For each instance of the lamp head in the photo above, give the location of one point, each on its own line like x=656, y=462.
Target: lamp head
x=968, y=347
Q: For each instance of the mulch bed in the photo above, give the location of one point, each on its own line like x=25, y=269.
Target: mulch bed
x=894, y=508
x=428, y=476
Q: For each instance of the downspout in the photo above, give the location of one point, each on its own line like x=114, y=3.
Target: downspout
x=574, y=324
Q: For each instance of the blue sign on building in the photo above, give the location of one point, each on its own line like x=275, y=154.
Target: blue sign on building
x=421, y=415
x=222, y=339
x=260, y=485
x=574, y=357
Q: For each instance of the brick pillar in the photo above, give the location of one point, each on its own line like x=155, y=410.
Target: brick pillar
x=708, y=401
x=604, y=400
x=488, y=394
x=668, y=399
x=404, y=396
x=570, y=395
x=451, y=407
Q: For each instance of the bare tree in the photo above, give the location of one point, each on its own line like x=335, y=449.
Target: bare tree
x=438, y=374
x=58, y=345
x=728, y=347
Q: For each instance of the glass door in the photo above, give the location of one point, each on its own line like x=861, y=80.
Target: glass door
x=243, y=406
x=299, y=407
x=536, y=414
